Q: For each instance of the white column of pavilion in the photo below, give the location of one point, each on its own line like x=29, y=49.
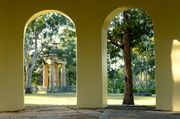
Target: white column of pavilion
x=63, y=75
x=54, y=78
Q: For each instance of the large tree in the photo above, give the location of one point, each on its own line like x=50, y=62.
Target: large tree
x=40, y=32
x=126, y=32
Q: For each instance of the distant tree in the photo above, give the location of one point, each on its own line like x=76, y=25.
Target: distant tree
x=126, y=32
x=144, y=64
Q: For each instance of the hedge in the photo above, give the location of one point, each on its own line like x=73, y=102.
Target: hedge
x=153, y=91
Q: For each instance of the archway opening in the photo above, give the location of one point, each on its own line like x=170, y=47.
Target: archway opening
x=50, y=59
x=131, y=58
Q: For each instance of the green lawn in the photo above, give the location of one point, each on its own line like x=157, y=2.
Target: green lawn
x=70, y=99
x=116, y=99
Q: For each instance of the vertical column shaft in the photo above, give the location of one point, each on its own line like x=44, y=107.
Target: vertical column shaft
x=63, y=75
x=52, y=77
x=56, y=74
x=45, y=75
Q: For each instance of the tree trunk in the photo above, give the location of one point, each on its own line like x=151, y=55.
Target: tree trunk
x=28, y=80
x=128, y=85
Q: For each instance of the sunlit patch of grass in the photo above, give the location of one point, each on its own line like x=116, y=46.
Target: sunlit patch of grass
x=50, y=99
x=70, y=99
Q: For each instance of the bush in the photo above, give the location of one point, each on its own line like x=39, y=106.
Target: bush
x=135, y=90
x=153, y=91
x=121, y=90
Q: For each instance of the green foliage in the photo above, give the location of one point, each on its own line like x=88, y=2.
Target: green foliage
x=142, y=46
x=69, y=46
x=139, y=25
x=115, y=79
x=37, y=78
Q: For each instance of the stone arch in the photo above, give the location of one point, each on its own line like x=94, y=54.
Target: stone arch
x=107, y=21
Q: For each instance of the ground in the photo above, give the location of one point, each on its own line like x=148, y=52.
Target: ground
x=71, y=112
x=70, y=99
x=62, y=106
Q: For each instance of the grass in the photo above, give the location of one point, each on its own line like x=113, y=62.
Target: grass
x=116, y=99
x=51, y=99
x=70, y=99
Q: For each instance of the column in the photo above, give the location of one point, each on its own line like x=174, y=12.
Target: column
x=56, y=74
x=52, y=78
x=63, y=75
x=91, y=67
x=45, y=75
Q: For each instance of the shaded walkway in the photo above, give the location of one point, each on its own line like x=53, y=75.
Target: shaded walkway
x=70, y=112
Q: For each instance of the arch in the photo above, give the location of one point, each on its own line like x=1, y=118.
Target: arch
x=112, y=14
x=107, y=22
x=45, y=12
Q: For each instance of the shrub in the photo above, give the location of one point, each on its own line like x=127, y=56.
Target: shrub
x=153, y=91
x=121, y=90
x=135, y=90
